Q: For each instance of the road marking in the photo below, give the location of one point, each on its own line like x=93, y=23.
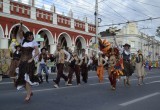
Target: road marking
x=139, y=99
x=153, y=82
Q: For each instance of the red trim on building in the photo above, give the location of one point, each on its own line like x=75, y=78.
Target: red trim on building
x=63, y=21
x=43, y=15
x=23, y=13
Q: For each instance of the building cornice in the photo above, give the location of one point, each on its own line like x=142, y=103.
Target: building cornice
x=43, y=23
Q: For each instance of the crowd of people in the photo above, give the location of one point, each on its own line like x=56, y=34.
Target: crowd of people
x=116, y=60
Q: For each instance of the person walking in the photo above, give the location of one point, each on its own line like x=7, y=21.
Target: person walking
x=140, y=67
x=100, y=67
x=43, y=65
x=60, y=60
x=74, y=68
x=128, y=69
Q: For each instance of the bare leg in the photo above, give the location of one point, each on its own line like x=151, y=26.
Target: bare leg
x=128, y=82
x=29, y=92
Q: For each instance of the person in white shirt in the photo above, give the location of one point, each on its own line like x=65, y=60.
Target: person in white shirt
x=26, y=76
x=128, y=69
x=60, y=60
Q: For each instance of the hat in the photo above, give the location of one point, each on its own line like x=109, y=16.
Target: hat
x=43, y=48
x=17, y=46
x=126, y=45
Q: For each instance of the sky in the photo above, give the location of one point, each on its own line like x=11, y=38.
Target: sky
x=110, y=11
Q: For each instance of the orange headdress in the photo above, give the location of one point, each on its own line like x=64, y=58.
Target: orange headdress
x=104, y=46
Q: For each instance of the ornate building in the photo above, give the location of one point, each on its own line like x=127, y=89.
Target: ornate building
x=53, y=27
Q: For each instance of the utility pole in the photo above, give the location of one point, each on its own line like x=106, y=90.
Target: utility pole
x=96, y=23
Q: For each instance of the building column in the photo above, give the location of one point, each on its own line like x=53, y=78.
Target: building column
x=3, y=43
x=6, y=6
x=86, y=27
x=54, y=21
x=33, y=13
x=72, y=23
x=52, y=48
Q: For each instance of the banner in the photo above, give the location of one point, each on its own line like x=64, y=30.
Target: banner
x=5, y=61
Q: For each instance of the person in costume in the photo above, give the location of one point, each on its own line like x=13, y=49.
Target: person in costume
x=100, y=67
x=60, y=60
x=15, y=63
x=128, y=68
x=74, y=67
x=140, y=67
x=43, y=64
x=115, y=63
x=27, y=77
x=85, y=62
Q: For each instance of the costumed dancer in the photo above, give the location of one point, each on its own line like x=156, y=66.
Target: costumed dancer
x=43, y=65
x=128, y=68
x=140, y=67
x=27, y=77
x=100, y=67
x=85, y=62
x=115, y=63
x=74, y=67
x=13, y=71
x=60, y=60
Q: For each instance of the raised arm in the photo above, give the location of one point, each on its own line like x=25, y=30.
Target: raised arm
x=20, y=31
x=115, y=40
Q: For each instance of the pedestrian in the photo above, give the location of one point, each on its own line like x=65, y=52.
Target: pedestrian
x=27, y=76
x=74, y=68
x=140, y=67
x=100, y=67
x=15, y=63
x=128, y=68
x=95, y=63
x=85, y=62
x=60, y=60
x=43, y=65
x=150, y=65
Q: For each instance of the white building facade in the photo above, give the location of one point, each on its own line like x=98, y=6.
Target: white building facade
x=131, y=35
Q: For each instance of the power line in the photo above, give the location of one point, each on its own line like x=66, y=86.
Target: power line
x=146, y=3
x=131, y=8
x=116, y=12
x=131, y=21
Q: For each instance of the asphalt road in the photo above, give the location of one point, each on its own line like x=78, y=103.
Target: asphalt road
x=91, y=96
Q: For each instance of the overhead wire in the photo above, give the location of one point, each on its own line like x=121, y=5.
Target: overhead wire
x=147, y=4
x=131, y=21
x=131, y=8
x=116, y=12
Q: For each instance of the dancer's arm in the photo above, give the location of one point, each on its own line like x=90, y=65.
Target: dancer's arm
x=105, y=62
x=20, y=31
x=36, y=53
x=115, y=40
x=68, y=55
